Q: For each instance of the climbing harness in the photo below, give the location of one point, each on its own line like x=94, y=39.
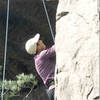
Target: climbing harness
x=44, y=5
x=5, y=53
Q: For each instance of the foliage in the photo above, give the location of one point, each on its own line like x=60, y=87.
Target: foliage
x=14, y=87
x=0, y=71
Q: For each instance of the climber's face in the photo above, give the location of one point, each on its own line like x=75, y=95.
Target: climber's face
x=40, y=46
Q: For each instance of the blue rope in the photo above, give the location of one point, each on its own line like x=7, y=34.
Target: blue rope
x=48, y=20
x=5, y=53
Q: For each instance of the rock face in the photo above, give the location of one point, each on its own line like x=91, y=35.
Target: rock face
x=77, y=48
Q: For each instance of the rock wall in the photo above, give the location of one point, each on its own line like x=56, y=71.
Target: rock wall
x=77, y=48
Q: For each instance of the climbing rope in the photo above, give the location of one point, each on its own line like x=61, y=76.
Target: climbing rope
x=44, y=5
x=5, y=53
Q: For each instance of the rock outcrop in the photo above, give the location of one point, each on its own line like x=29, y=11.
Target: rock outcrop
x=77, y=48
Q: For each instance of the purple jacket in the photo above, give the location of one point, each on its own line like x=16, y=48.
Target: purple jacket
x=45, y=64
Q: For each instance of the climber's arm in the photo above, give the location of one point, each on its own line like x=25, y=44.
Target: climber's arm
x=48, y=52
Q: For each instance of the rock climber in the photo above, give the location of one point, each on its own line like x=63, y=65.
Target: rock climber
x=45, y=60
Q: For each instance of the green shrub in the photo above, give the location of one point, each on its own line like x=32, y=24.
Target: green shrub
x=13, y=88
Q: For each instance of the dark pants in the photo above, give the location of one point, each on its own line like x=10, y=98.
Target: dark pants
x=51, y=94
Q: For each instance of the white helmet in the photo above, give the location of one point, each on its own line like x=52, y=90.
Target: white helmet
x=31, y=44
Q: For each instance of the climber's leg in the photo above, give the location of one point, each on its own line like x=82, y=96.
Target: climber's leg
x=51, y=94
